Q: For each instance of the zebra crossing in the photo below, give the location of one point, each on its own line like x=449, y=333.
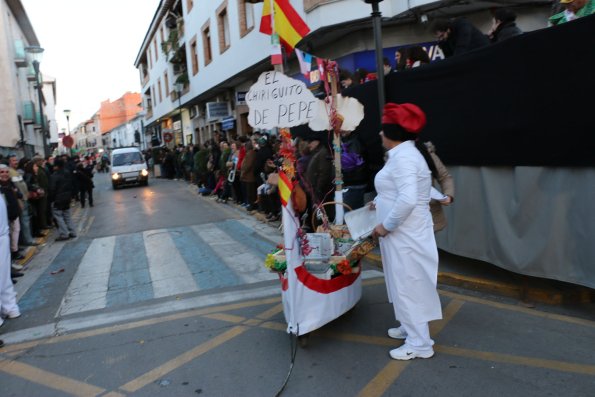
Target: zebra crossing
x=114, y=271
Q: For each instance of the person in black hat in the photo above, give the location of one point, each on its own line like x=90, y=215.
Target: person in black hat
x=405, y=230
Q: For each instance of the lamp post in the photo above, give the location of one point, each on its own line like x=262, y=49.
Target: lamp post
x=36, y=53
x=179, y=87
x=377, y=26
x=67, y=114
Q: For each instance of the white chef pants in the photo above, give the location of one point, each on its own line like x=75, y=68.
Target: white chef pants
x=418, y=335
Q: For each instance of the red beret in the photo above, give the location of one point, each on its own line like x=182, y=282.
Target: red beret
x=407, y=115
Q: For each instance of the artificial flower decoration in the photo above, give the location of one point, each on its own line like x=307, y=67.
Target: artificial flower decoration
x=344, y=267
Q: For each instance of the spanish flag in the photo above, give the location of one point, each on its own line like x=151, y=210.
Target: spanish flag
x=288, y=24
x=285, y=188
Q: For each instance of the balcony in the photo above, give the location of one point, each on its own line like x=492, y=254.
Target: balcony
x=28, y=112
x=20, y=56
x=30, y=73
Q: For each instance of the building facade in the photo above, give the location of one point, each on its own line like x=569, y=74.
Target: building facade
x=214, y=50
x=23, y=124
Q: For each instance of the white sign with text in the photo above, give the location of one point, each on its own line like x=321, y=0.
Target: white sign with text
x=276, y=100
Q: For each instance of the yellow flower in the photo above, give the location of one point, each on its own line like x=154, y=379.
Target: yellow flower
x=269, y=262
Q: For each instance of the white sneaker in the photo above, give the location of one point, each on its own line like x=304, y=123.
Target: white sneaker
x=11, y=315
x=397, y=333
x=16, y=266
x=406, y=352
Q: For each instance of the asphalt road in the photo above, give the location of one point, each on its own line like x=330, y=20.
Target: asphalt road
x=164, y=294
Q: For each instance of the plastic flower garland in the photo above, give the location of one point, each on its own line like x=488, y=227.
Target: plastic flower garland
x=272, y=263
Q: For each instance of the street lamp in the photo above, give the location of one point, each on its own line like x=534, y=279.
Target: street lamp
x=377, y=26
x=36, y=53
x=67, y=114
x=179, y=87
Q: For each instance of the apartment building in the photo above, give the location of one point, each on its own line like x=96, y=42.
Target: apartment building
x=127, y=134
x=23, y=123
x=214, y=52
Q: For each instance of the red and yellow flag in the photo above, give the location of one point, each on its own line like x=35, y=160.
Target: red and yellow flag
x=288, y=24
x=285, y=188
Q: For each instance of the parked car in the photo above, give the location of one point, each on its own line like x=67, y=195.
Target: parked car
x=128, y=167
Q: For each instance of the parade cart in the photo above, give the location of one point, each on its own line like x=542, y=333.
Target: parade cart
x=320, y=273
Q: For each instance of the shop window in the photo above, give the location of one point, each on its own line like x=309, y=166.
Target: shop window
x=166, y=83
x=246, y=17
x=194, y=55
x=223, y=27
x=206, y=43
x=159, y=90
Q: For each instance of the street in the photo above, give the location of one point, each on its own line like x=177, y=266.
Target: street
x=165, y=293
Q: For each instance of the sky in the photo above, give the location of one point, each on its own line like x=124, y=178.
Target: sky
x=90, y=48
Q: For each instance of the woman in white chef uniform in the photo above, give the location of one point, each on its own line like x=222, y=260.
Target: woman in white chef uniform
x=405, y=230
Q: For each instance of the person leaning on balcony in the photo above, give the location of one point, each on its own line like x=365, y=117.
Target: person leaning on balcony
x=573, y=9
x=457, y=36
x=405, y=230
x=503, y=25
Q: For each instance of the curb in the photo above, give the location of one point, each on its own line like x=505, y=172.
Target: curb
x=521, y=290
x=31, y=251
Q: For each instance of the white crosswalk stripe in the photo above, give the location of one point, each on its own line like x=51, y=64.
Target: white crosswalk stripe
x=88, y=288
x=169, y=273
x=247, y=264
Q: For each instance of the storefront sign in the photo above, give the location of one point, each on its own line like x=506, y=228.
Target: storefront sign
x=177, y=125
x=241, y=97
x=217, y=110
x=276, y=100
x=227, y=123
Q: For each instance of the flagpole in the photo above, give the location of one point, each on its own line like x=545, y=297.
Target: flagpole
x=336, y=126
x=292, y=248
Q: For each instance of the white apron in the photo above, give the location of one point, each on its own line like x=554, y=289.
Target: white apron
x=409, y=252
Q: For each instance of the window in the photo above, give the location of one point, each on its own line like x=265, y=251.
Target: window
x=189, y=5
x=194, y=55
x=166, y=83
x=206, y=43
x=159, y=89
x=223, y=27
x=155, y=46
x=149, y=57
x=246, y=16
x=120, y=159
x=161, y=34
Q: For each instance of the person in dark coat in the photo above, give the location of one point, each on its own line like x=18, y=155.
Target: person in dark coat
x=61, y=194
x=43, y=180
x=12, y=195
x=320, y=173
x=503, y=25
x=263, y=154
x=458, y=36
x=84, y=180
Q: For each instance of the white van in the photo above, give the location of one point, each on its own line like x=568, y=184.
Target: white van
x=128, y=167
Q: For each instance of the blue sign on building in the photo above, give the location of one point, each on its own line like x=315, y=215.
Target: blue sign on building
x=227, y=123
